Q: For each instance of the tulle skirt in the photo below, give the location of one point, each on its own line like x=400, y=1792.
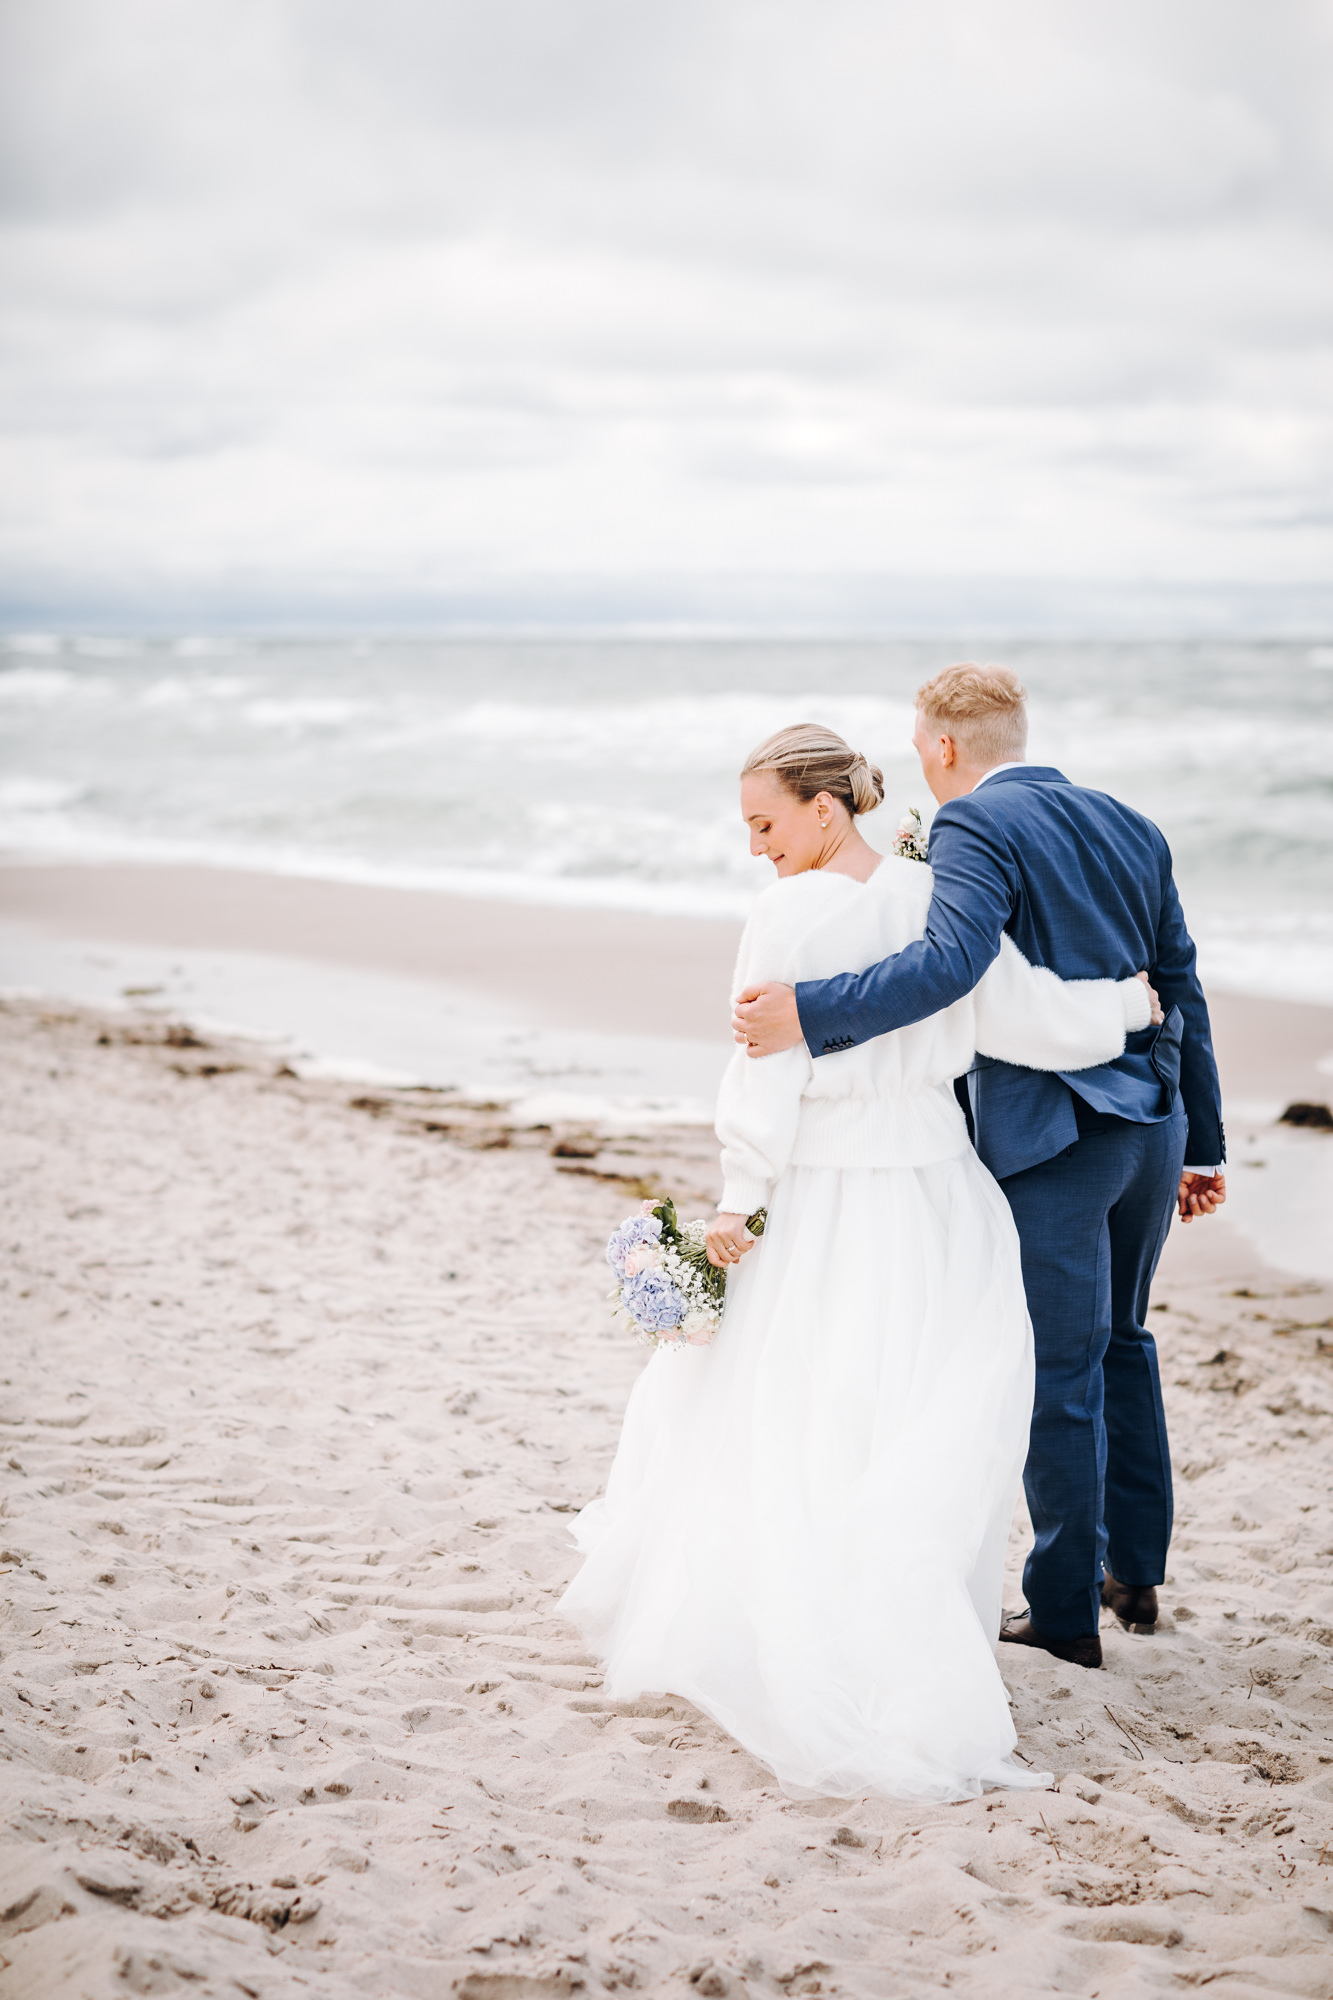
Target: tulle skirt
x=804, y=1528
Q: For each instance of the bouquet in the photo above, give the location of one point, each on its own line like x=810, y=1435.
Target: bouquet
x=666, y=1288
x=910, y=839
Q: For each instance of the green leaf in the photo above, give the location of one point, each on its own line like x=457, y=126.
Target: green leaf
x=665, y=1211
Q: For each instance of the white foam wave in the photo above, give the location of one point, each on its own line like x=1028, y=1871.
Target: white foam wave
x=188, y=690
x=38, y=684
x=1085, y=740
x=697, y=732
x=351, y=1069
x=32, y=642
x=714, y=731
x=609, y=1114
x=1278, y=954
x=304, y=711
x=704, y=732
x=95, y=647
x=202, y=647
x=36, y=795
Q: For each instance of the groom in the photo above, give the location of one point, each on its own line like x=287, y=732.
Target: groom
x=1092, y=1162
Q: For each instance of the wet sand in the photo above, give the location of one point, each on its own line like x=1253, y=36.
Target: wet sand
x=577, y=968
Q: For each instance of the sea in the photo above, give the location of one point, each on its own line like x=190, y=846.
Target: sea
x=602, y=772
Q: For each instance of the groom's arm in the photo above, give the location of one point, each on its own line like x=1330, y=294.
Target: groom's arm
x=974, y=896
x=1175, y=975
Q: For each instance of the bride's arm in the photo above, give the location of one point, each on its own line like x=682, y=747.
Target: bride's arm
x=757, y=1108
x=759, y=1102
x=1027, y=1015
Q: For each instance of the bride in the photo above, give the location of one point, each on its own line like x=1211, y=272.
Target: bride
x=804, y=1529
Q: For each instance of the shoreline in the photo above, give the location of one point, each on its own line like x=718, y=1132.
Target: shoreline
x=602, y=970
x=598, y=970
x=392, y=984
x=599, y=1016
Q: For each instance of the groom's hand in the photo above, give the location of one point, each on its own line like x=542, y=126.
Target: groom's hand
x=766, y=1020
x=1200, y=1194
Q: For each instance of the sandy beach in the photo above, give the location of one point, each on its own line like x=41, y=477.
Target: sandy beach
x=302, y=1381
x=472, y=471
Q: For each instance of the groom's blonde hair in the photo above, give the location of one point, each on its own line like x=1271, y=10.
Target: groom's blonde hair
x=984, y=709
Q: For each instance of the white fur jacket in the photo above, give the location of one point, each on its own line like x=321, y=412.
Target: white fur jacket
x=890, y=1102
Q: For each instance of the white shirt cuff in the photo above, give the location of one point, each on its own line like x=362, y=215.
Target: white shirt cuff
x=1208, y=1172
x=1138, y=1006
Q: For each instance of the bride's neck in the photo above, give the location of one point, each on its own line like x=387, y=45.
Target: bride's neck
x=849, y=854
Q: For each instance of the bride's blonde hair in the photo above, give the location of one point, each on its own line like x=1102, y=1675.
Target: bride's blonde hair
x=808, y=759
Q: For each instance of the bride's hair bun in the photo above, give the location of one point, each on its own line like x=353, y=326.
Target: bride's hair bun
x=867, y=785
x=808, y=759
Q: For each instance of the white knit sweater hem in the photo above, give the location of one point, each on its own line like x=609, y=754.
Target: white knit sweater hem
x=915, y=1130
x=743, y=1197
x=1138, y=1007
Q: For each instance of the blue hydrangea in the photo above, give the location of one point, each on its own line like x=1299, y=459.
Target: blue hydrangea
x=652, y=1302
x=639, y=1229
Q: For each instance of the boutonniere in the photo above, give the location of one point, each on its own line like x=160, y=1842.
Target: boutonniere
x=910, y=839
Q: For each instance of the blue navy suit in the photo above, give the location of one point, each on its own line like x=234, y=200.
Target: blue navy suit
x=1089, y=1159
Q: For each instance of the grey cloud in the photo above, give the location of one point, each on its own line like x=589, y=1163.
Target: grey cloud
x=293, y=283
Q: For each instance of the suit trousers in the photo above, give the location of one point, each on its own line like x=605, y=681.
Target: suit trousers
x=1092, y=1223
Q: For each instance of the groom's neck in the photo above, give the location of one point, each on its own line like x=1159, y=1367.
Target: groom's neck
x=961, y=778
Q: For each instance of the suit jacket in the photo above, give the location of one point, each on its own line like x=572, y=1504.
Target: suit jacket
x=1083, y=885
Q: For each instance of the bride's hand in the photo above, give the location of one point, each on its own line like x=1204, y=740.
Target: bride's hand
x=728, y=1240
x=1157, y=1017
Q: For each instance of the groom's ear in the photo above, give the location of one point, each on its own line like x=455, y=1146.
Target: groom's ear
x=948, y=752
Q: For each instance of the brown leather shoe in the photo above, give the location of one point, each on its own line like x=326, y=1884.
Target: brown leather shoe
x=1134, y=1604
x=1085, y=1651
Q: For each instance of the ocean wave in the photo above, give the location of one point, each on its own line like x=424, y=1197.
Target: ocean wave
x=202, y=646
x=32, y=642
x=44, y=686
x=295, y=712
x=20, y=797
x=1094, y=738
x=688, y=728
x=94, y=646
x=1284, y=953
x=188, y=690
x=605, y=778
x=1279, y=963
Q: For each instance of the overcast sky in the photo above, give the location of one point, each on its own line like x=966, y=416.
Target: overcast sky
x=316, y=302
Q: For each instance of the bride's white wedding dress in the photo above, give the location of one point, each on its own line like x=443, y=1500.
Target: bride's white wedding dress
x=804, y=1528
